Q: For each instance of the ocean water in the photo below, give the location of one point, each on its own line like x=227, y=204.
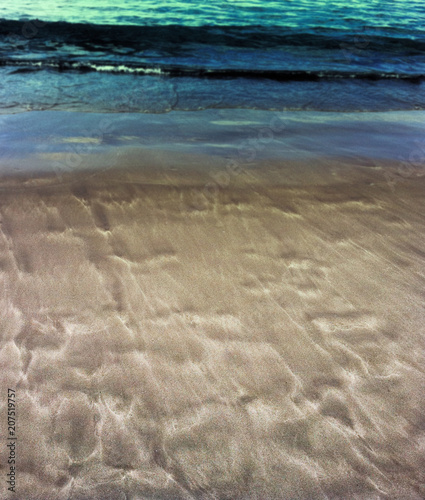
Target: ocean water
x=160, y=56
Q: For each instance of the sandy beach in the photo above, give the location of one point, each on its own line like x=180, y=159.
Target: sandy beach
x=261, y=341
x=212, y=250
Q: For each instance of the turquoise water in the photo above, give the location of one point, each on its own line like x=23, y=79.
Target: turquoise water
x=347, y=14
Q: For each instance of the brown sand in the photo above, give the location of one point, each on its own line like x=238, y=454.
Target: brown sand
x=264, y=343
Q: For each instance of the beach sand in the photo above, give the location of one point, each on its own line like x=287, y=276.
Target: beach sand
x=261, y=339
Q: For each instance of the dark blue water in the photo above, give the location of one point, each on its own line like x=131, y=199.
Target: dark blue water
x=187, y=55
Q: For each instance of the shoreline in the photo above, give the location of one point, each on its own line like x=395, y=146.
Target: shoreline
x=63, y=142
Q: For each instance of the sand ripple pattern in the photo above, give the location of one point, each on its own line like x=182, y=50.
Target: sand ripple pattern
x=267, y=346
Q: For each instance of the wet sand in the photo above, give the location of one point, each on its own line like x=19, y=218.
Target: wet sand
x=260, y=340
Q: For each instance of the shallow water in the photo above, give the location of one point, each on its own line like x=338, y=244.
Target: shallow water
x=55, y=141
